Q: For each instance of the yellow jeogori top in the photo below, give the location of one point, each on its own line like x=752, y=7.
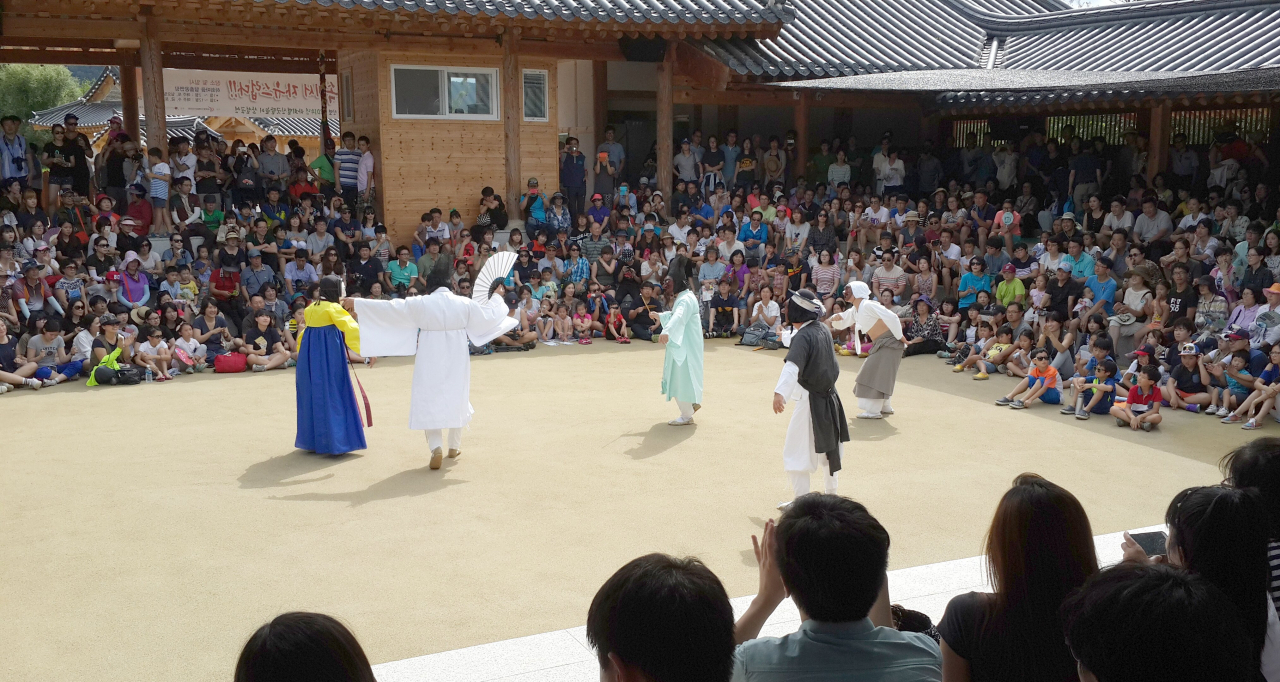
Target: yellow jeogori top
x=324, y=313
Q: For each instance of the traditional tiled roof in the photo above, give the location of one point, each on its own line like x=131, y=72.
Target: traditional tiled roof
x=294, y=127
x=844, y=38
x=621, y=11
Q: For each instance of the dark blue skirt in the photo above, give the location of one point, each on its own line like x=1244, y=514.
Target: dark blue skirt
x=328, y=416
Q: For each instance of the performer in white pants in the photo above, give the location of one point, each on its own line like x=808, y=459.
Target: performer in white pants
x=435, y=328
x=879, y=373
x=818, y=430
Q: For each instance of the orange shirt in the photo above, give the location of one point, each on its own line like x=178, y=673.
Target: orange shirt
x=1049, y=374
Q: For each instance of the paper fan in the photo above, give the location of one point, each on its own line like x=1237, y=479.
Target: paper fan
x=496, y=268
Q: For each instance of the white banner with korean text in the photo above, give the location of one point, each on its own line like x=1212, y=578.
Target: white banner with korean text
x=225, y=93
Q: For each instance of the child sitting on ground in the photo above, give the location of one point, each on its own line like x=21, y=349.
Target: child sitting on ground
x=546, y=320
x=984, y=358
x=192, y=349
x=1261, y=401
x=968, y=334
x=615, y=327
x=1019, y=362
x=1141, y=409
x=1145, y=355
x=724, y=312
x=563, y=324
x=1188, y=384
x=1094, y=394
x=1099, y=351
x=1239, y=384
x=1041, y=384
x=582, y=325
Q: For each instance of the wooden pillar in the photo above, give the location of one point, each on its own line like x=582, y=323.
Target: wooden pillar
x=512, y=110
x=802, y=137
x=129, y=99
x=666, y=110
x=153, y=83
x=600, y=98
x=1158, y=138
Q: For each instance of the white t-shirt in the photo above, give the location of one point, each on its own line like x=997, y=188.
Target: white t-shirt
x=770, y=310
x=652, y=274
x=363, y=171
x=680, y=234
x=189, y=346
x=1189, y=222
x=1124, y=222
x=877, y=217
x=190, y=162
x=149, y=349
x=82, y=346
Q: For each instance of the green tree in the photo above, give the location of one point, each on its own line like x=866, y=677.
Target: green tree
x=26, y=88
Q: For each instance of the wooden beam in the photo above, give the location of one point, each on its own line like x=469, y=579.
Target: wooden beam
x=802, y=137
x=783, y=97
x=153, y=84
x=129, y=99
x=703, y=71
x=666, y=132
x=576, y=49
x=512, y=108
x=26, y=55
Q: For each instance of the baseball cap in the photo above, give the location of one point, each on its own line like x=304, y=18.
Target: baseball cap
x=42, y=246
x=1008, y=267
x=597, y=196
x=1145, y=349
x=137, y=188
x=1069, y=216
x=108, y=318
x=1188, y=349
x=533, y=182
x=1064, y=266
x=254, y=253
x=30, y=265
x=1235, y=332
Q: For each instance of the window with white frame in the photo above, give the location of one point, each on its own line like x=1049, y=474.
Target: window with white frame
x=444, y=92
x=535, y=95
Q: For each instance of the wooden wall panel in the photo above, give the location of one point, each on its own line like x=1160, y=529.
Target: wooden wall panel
x=445, y=164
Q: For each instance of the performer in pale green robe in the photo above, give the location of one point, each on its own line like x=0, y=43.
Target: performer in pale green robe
x=682, y=334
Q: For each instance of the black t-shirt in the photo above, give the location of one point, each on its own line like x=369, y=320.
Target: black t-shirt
x=363, y=275
x=115, y=171
x=63, y=153
x=795, y=272
x=642, y=317
x=724, y=307
x=262, y=340
x=1060, y=293
x=9, y=354
x=207, y=185
x=713, y=158
x=528, y=272
x=1181, y=301
x=1187, y=380
x=1000, y=652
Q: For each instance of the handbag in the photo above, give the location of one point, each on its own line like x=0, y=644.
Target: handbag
x=229, y=363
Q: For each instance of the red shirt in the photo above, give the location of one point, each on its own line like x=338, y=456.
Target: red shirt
x=1140, y=402
x=225, y=281
x=297, y=189
x=140, y=211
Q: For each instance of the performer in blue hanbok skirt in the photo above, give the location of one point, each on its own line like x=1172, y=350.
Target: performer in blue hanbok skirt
x=328, y=416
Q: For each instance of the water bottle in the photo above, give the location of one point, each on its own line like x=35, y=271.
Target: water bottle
x=148, y=376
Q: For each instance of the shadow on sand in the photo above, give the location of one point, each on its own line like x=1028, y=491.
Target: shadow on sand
x=409, y=483
x=276, y=472
x=658, y=439
x=870, y=430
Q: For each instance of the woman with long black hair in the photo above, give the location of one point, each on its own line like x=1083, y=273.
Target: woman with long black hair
x=1039, y=549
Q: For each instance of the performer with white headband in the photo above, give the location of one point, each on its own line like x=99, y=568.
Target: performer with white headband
x=818, y=428
x=879, y=373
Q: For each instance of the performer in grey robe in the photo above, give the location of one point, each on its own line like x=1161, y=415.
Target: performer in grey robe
x=818, y=428
x=879, y=372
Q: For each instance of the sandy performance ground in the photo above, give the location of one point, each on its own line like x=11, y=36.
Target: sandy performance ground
x=146, y=537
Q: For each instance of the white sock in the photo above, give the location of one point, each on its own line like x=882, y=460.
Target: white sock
x=686, y=409
x=831, y=482
x=435, y=439
x=870, y=405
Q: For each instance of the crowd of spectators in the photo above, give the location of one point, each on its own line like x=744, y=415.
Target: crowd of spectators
x=1202, y=609
x=1053, y=248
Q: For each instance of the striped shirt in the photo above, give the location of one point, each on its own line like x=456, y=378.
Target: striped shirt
x=348, y=173
x=1273, y=561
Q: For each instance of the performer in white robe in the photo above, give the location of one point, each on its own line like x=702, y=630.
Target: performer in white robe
x=818, y=430
x=435, y=328
x=879, y=372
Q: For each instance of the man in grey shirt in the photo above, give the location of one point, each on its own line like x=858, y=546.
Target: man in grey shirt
x=1152, y=224
x=617, y=155
x=273, y=167
x=686, y=163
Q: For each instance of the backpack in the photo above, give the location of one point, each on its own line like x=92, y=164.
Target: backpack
x=755, y=334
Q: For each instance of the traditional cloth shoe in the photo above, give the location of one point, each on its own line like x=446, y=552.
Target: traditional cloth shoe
x=696, y=407
x=871, y=415
x=454, y=454
x=783, y=506
x=437, y=458
x=680, y=422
